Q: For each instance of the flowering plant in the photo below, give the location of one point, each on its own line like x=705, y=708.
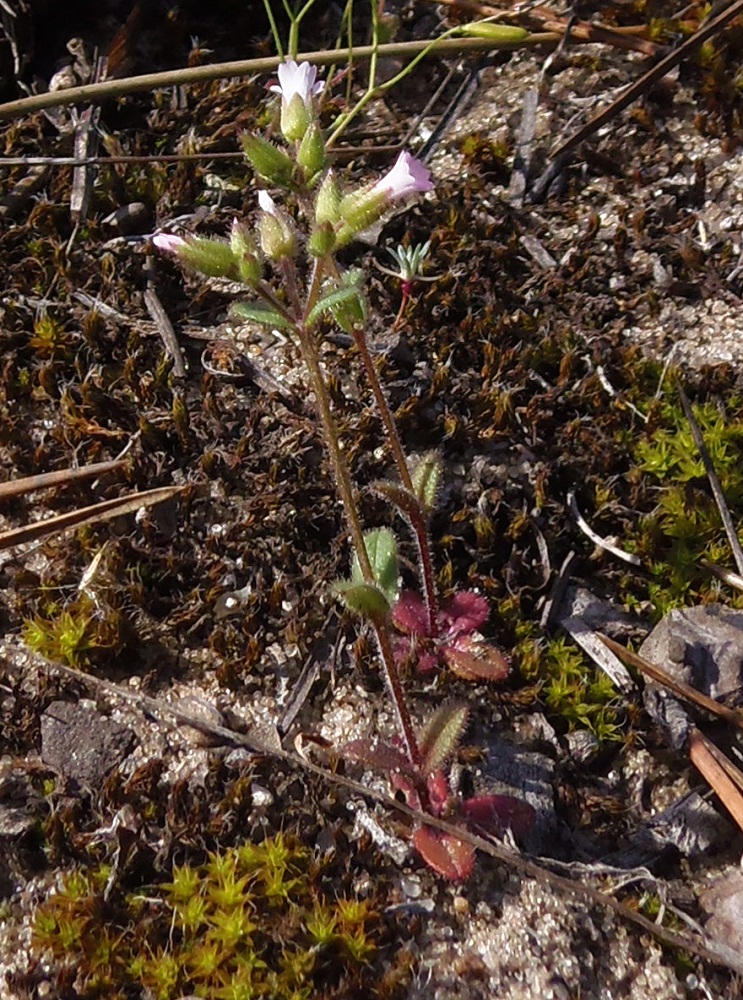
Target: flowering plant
x=296, y=296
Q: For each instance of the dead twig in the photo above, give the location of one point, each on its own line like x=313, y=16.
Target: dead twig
x=96, y=512
x=19, y=658
x=17, y=487
x=681, y=690
x=708, y=30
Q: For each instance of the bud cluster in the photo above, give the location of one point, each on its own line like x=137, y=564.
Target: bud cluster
x=301, y=169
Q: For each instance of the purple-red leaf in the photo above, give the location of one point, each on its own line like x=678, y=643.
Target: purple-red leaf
x=476, y=660
x=465, y=612
x=448, y=856
x=376, y=755
x=410, y=614
x=496, y=813
x=438, y=793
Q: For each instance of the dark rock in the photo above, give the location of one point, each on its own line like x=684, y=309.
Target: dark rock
x=702, y=647
x=81, y=744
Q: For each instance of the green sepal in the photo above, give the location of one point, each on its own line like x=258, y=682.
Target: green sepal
x=267, y=160
x=311, y=152
x=261, y=314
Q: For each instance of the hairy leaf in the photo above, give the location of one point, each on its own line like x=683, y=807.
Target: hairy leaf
x=425, y=476
x=446, y=855
x=380, y=756
x=381, y=548
x=363, y=598
x=476, y=661
x=407, y=504
x=465, y=612
x=441, y=734
x=496, y=813
x=410, y=614
x=261, y=314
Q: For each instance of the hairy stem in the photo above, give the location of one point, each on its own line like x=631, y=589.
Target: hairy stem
x=345, y=489
x=418, y=522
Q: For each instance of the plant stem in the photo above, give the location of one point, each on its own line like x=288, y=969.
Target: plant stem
x=343, y=482
x=418, y=522
x=332, y=441
x=392, y=679
x=385, y=413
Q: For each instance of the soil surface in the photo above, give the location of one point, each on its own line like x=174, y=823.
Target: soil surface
x=539, y=364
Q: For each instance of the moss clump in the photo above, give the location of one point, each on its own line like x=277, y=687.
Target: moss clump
x=685, y=527
x=572, y=688
x=77, y=635
x=250, y=922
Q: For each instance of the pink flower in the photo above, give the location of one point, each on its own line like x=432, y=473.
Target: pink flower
x=298, y=78
x=407, y=176
x=167, y=242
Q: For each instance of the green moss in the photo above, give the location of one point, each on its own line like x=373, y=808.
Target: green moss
x=251, y=921
x=75, y=635
x=572, y=688
x=685, y=528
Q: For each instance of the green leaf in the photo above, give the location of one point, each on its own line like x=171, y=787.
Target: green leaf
x=381, y=548
x=425, y=476
x=441, y=734
x=346, y=304
x=261, y=314
x=363, y=598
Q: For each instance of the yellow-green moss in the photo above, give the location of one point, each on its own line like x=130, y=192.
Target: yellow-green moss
x=250, y=922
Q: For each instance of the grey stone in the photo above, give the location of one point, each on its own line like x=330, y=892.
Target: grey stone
x=81, y=744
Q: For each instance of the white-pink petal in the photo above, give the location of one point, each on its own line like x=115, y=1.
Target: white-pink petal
x=298, y=78
x=266, y=202
x=407, y=176
x=167, y=242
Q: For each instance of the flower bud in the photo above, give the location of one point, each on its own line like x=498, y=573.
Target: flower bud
x=244, y=251
x=268, y=162
x=278, y=239
x=311, y=153
x=322, y=241
x=295, y=118
x=211, y=257
x=327, y=203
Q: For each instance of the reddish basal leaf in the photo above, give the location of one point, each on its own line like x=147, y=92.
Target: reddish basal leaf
x=465, y=612
x=496, y=813
x=476, y=660
x=446, y=855
x=410, y=614
x=438, y=792
x=376, y=755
